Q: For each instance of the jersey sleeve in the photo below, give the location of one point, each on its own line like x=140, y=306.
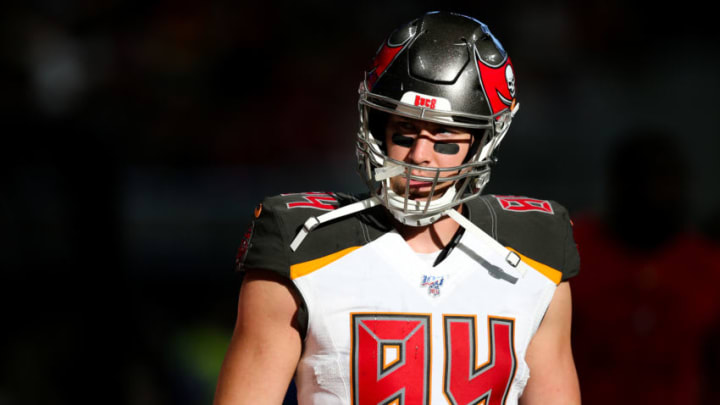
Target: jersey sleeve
x=538, y=229
x=265, y=244
x=277, y=221
x=570, y=257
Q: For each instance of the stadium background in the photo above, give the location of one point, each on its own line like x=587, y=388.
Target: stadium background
x=138, y=137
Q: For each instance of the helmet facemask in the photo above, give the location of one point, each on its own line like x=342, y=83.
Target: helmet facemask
x=468, y=179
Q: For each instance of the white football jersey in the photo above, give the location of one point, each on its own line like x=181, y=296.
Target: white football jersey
x=383, y=326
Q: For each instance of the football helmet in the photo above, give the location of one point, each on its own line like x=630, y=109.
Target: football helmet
x=443, y=68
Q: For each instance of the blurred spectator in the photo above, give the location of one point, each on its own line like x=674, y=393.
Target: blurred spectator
x=646, y=300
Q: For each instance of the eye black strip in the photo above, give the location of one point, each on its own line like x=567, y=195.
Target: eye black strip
x=446, y=148
x=402, y=140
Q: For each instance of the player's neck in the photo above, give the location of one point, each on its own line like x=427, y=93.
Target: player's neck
x=431, y=238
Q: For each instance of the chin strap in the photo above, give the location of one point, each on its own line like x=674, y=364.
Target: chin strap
x=511, y=257
x=415, y=220
x=415, y=215
x=313, y=222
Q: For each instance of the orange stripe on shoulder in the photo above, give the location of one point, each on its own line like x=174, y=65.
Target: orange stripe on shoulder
x=305, y=268
x=553, y=274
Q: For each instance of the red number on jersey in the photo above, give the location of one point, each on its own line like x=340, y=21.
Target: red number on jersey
x=390, y=359
x=522, y=204
x=467, y=383
x=317, y=200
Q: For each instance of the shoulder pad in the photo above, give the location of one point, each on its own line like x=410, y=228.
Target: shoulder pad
x=538, y=229
x=277, y=220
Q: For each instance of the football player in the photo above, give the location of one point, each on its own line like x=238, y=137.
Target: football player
x=422, y=291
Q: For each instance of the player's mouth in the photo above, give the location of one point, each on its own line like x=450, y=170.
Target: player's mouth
x=417, y=183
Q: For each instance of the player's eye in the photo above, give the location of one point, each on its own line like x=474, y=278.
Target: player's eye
x=406, y=126
x=446, y=148
x=402, y=140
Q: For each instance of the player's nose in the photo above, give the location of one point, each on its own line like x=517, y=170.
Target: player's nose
x=422, y=150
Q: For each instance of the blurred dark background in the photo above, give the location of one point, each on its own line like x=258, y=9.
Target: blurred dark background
x=138, y=136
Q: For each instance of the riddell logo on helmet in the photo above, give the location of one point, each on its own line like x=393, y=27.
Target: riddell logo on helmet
x=425, y=102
